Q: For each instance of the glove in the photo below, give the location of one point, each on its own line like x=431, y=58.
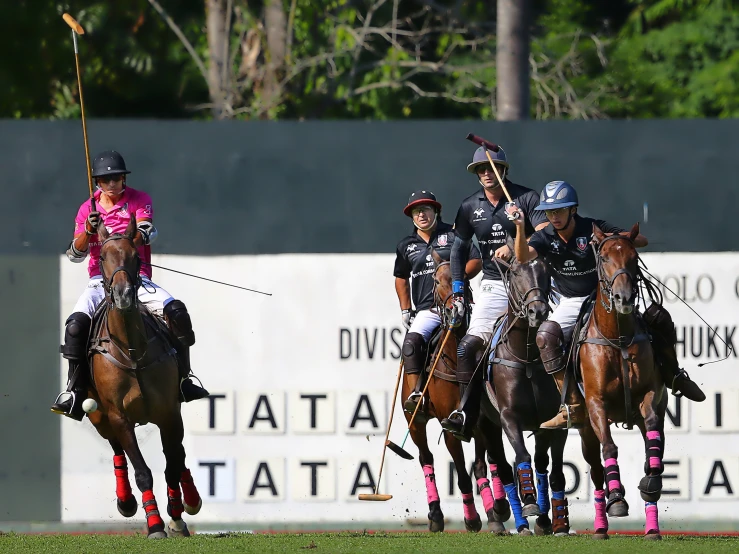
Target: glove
x=408, y=318
x=92, y=222
x=458, y=309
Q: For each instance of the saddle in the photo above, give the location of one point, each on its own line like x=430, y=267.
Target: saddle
x=157, y=332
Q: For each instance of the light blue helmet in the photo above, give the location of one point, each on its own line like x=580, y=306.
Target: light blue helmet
x=557, y=194
x=481, y=158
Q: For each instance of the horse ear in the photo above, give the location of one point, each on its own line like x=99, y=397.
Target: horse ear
x=634, y=232
x=131, y=229
x=598, y=235
x=511, y=244
x=438, y=260
x=102, y=230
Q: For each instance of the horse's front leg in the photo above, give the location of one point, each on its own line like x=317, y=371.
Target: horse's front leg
x=616, y=505
x=652, y=409
x=125, y=435
x=489, y=437
x=591, y=453
x=426, y=459
x=125, y=500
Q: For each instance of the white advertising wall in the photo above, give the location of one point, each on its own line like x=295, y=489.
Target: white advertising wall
x=301, y=385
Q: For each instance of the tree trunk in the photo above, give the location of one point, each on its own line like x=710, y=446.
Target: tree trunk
x=512, y=60
x=215, y=13
x=275, y=23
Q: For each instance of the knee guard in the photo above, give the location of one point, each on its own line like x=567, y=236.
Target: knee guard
x=660, y=324
x=414, y=353
x=76, y=336
x=469, y=355
x=550, y=341
x=179, y=322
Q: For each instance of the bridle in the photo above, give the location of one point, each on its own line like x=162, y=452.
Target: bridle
x=521, y=301
x=606, y=284
x=441, y=308
x=135, y=280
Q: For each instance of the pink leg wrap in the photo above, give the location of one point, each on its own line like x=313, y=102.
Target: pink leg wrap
x=612, y=474
x=652, y=525
x=468, y=503
x=486, y=493
x=498, y=490
x=432, y=494
x=601, y=520
x=122, y=485
x=654, y=449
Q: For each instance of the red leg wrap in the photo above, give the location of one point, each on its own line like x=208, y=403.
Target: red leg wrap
x=189, y=491
x=174, y=498
x=150, y=506
x=122, y=485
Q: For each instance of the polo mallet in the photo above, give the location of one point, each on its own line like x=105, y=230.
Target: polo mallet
x=487, y=145
x=382, y=497
x=78, y=30
x=399, y=449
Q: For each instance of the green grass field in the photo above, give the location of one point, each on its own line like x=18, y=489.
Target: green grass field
x=404, y=543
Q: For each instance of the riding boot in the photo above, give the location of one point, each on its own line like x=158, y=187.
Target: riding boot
x=189, y=391
x=461, y=422
x=76, y=334
x=69, y=402
x=414, y=359
x=664, y=338
x=571, y=414
x=178, y=320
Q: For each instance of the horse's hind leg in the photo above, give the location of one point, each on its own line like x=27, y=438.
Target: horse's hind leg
x=172, y=435
x=541, y=464
x=123, y=430
x=560, y=509
x=472, y=521
x=426, y=458
x=591, y=453
x=125, y=500
x=650, y=486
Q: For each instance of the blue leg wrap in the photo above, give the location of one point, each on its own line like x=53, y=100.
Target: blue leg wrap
x=542, y=485
x=515, y=502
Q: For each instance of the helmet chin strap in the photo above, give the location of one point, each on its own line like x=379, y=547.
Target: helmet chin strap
x=431, y=226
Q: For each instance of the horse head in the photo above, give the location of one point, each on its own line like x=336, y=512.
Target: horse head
x=119, y=266
x=442, y=285
x=529, y=286
x=617, y=263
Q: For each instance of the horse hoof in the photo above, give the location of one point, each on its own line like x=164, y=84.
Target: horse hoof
x=525, y=532
x=496, y=527
x=127, y=508
x=531, y=510
x=618, y=509
x=177, y=528
x=601, y=535
x=193, y=510
x=473, y=525
x=541, y=530
x=653, y=536
x=564, y=534
x=157, y=535
x=502, y=510
x=650, y=488
x=436, y=525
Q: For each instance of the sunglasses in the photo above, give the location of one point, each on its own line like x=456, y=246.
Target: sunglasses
x=558, y=211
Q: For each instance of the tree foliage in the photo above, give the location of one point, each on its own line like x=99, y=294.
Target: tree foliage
x=379, y=59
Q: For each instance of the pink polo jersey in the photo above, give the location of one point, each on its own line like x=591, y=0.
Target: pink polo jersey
x=116, y=220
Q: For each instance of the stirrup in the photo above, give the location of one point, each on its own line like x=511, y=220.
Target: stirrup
x=71, y=394
x=414, y=397
x=569, y=417
x=681, y=373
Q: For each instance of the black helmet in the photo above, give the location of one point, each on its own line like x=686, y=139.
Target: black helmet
x=109, y=162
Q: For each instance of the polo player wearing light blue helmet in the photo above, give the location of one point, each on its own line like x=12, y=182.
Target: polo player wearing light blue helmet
x=565, y=246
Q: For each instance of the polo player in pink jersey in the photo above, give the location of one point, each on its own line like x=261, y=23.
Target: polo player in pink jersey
x=115, y=203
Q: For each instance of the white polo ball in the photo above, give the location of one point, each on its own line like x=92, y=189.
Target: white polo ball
x=89, y=405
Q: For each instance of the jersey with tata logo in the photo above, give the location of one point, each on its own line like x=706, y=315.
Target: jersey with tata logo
x=573, y=261
x=116, y=220
x=490, y=224
x=413, y=260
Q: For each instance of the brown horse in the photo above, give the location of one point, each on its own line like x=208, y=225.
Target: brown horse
x=442, y=397
x=135, y=376
x=621, y=383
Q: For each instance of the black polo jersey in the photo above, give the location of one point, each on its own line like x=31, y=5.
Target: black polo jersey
x=573, y=262
x=413, y=260
x=490, y=224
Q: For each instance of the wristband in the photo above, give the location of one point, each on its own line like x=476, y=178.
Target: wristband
x=458, y=287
